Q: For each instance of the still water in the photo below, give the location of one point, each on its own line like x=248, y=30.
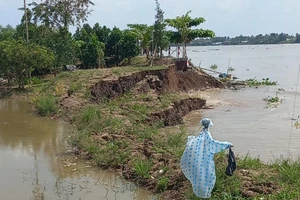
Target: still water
x=35, y=162
x=241, y=117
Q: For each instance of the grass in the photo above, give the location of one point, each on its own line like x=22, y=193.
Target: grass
x=142, y=168
x=167, y=99
x=121, y=71
x=281, y=176
x=88, y=114
x=46, y=105
x=74, y=87
x=162, y=184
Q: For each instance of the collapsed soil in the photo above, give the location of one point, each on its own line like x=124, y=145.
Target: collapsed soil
x=176, y=78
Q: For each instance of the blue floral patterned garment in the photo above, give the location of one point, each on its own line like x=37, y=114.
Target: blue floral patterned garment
x=197, y=160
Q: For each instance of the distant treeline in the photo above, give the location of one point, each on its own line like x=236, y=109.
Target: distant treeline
x=273, y=38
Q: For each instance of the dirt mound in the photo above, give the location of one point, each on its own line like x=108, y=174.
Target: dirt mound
x=71, y=102
x=173, y=115
x=253, y=188
x=175, y=78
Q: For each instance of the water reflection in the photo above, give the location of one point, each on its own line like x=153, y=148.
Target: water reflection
x=34, y=161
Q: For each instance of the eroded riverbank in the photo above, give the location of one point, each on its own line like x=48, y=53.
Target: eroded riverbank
x=36, y=160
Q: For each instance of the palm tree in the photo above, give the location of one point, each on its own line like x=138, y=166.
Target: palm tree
x=144, y=33
x=184, y=33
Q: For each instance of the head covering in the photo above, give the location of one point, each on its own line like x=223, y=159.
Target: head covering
x=207, y=123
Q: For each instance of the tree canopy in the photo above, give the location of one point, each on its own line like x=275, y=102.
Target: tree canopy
x=184, y=33
x=61, y=14
x=144, y=34
x=18, y=58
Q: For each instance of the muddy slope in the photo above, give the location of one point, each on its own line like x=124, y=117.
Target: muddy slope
x=177, y=77
x=181, y=108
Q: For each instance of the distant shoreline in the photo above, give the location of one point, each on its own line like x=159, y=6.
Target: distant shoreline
x=224, y=45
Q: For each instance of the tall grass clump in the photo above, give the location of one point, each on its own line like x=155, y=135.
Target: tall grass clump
x=87, y=115
x=46, y=105
x=289, y=171
x=142, y=168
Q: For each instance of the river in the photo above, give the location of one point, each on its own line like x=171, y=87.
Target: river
x=36, y=163
x=241, y=117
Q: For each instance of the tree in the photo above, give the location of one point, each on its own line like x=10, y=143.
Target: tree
x=297, y=38
x=61, y=13
x=90, y=48
x=128, y=44
x=159, y=35
x=185, y=34
x=101, y=32
x=18, y=59
x=7, y=32
x=113, y=45
x=144, y=34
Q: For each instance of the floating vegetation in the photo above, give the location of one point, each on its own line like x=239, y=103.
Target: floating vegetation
x=214, y=67
x=273, y=102
x=265, y=81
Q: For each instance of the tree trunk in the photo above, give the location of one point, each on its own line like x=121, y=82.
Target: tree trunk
x=147, y=53
x=26, y=21
x=161, y=53
x=153, y=56
x=184, y=51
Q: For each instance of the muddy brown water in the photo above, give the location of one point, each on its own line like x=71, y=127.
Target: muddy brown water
x=240, y=116
x=36, y=162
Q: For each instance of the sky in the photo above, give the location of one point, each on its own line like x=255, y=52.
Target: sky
x=224, y=17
